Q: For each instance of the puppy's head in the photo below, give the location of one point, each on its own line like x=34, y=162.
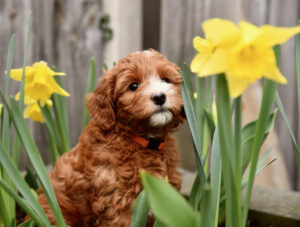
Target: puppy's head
x=140, y=94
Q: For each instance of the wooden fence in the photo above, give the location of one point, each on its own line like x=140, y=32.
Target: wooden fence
x=66, y=34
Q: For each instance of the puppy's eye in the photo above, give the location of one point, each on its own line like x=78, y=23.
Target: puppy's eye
x=133, y=86
x=166, y=80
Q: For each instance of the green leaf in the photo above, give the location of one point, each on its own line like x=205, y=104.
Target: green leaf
x=286, y=121
x=190, y=114
x=167, y=205
x=259, y=168
x=16, y=148
x=196, y=193
x=229, y=159
x=210, y=121
x=297, y=59
x=209, y=206
x=140, y=211
x=20, y=183
x=157, y=223
x=269, y=92
x=90, y=87
x=7, y=208
x=260, y=164
x=248, y=136
x=52, y=131
x=34, y=156
x=22, y=89
x=186, y=75
x=28, y=223
x=60, y=110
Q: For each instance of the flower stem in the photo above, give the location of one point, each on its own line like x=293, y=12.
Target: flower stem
x=269, y=92
x=231, y=180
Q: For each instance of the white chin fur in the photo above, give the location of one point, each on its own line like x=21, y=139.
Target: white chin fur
x=160, y=119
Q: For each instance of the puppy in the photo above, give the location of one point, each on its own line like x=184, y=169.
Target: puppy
x=134, y=109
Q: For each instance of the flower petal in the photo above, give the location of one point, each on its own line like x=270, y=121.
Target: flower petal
x=56, y=88
x=27, y=99
x=39, y=91
x=34, y=113
x=217, y=63
x=198, y=62
x=237, y=85
x=202, y=45
x=250, y=31
x=50, y=72
x=221, y=32
x=276, y=35
x=16, y=74
x=276, y=75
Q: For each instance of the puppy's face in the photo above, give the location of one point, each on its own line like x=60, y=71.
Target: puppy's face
x=145, y=93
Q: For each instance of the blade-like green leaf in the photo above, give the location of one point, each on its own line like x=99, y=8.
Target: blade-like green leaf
x=7, y=208
x=167, y=205
x=28, y=223
x=60, y=110
x=20, y=183
x=22, y=203
x=90, y=87
x=52, y=131
x=34, y=156
x=196, y=193
x=140, y=211
x=5, y=123
x=259, y=168
x=229, y=160
x=190, y=114
x=157, y=223
x=260, y=163
x=28, y=35
x=297, y=59
x=248, y=136
x=209, y=206
x=210, y=121
x=16, y=148
x=186, y=75
x=286, y=121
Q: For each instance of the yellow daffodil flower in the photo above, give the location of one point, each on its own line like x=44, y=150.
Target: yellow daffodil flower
x=39, y=81
x=32, y=109
x=244, y=53
x=1, y=107
x=34, y=112
x=204, y=49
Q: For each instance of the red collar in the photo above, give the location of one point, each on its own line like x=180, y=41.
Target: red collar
x=151, y=143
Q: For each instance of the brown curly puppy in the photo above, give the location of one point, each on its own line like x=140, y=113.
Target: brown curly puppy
x=133, y=110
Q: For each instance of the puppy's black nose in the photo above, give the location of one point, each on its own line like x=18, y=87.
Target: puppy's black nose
x=159, y=99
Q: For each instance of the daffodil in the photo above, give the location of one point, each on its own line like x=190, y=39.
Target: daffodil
x=33, y=110
x=1, y=107
x=39, y=81
x=244, y=53
x=204, y=52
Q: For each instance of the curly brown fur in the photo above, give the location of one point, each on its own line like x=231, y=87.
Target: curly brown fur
x=97, y=182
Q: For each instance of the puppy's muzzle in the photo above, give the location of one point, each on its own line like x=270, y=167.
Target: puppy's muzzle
x=159, y=99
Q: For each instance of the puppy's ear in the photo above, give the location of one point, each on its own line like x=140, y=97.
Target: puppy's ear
x=101, y=104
